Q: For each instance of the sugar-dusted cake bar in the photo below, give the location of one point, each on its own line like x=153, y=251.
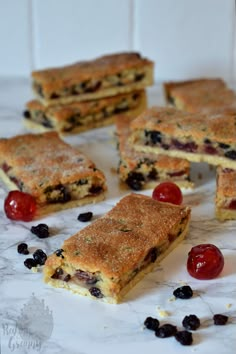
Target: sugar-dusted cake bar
x=200, y=95
x=105, y=76
x=225, y=200
x=144, y=170
x=108, y=257
x=192, y=136
x=77, y=117
x=57, y=175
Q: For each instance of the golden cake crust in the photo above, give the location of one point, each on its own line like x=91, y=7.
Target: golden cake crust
x=55, y=79
x=41, y=161
x=226, y=182
x=179, y=124
x=200, y=95
x=116, y=243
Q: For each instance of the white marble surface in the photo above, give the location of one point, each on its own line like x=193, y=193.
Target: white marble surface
x=67, y=323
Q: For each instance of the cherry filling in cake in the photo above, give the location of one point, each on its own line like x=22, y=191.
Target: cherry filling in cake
x=156, y=138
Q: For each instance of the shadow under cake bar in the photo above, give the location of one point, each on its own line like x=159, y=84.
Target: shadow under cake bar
x=191, y=136
x=105, y=76
x=225, y=200
x=57, y=175
x=77, y=117
x=143, y=170
x=108, y=257
x=200, y=95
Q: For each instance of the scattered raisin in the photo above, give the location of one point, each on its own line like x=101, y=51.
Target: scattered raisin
x=96, y=292
x=22, y=248
x=191, y=322
x=151, y=323
x=184, y=337
x=30, y=262
x=167, y=330
x=40, y=257
x=41, y=230
x=220, y=320
x=85, y=216
x=59, y=253
x=183, y=292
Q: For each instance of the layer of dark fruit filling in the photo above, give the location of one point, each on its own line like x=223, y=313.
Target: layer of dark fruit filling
x=176, y=174
x=57, y=194
x=120, y=107
x=86, y=277
x=64, y=193
x=156, y=138
x=190, y=146
x=93, y=85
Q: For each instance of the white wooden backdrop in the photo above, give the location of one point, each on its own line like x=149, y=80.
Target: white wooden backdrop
x=185, y=38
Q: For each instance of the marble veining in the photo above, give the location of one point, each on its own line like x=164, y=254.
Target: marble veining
x=36, y=318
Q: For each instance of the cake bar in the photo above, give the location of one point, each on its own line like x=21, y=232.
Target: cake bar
x=108, y=257
x=57, y=175
x=143, y=170
x=77, y=117
x=225, y=201
x=200, y=95
x=105, y=76
x=191, y=136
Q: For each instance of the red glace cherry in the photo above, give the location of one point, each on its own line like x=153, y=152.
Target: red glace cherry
x=20, y=206
x=205, y=261
x=168, y=192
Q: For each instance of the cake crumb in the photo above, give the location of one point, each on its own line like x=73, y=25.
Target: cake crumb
x=34, y=269
x=173, y=298
x=228, y=306
x=162, y=313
